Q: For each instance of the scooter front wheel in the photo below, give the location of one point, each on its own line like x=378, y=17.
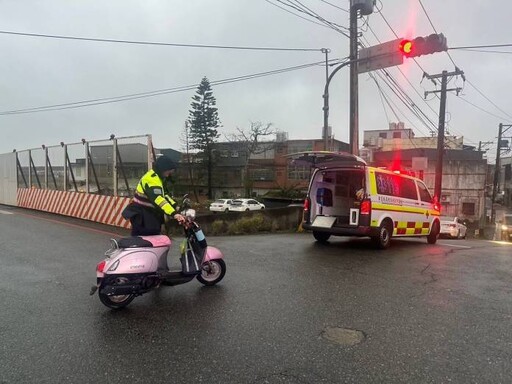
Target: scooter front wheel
x=116, y=301
x=212, y=272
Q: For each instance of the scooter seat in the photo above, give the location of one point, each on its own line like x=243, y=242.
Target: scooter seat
x=134, y=242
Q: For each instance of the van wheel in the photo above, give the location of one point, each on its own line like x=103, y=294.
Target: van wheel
x=434, y=233
x=383, y=240
x=321, y=237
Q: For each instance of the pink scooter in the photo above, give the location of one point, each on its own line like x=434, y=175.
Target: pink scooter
x=136, y=265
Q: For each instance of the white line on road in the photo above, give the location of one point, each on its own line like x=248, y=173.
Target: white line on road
x=5, y=212
x=456, y=246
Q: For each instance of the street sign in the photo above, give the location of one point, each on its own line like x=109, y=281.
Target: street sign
x=380, y=56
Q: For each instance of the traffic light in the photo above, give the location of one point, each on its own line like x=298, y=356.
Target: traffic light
x=423, y=45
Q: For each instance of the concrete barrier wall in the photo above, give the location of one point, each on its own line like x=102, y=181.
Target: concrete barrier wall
x=97, y=208
x=8, y=179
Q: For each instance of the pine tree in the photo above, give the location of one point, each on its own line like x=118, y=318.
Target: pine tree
x=204, y=121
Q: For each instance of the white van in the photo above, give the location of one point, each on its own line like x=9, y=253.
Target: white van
x=346, y=197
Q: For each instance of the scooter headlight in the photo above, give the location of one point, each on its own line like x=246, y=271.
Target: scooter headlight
x=504, y=227
x=190, y=213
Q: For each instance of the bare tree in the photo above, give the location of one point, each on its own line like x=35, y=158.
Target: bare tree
x=253, y=141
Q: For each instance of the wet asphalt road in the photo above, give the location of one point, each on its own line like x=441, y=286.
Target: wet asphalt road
x=426, y=313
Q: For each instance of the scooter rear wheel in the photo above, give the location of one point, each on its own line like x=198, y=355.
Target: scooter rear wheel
x=212, y=272
x=116, y=301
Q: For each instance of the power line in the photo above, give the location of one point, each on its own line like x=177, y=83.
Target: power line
x=293, y=13
x=116, y=99
x=303, y=9
x=335, y=6
x=435, y=30
x=489, y=100
x=482, y=46
x=156, y=43
x=484, y=51
x=483, y=110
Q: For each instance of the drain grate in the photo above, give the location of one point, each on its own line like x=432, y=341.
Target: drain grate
x=343, y=336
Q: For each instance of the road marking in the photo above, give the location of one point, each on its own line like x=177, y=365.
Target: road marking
x=5, y=212
x=456, y=246
x=73, y=225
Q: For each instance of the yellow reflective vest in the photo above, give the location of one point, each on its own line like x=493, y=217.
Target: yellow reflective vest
x=151, y=193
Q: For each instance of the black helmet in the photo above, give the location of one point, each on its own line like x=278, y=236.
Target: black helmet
x=164, y=163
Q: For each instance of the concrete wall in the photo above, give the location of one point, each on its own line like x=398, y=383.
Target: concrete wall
x=8, y=179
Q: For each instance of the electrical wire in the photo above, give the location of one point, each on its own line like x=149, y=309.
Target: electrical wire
x=484, y=51
x=483, y=110
x=301, y=8
x=435, y=30
x=155, y=43
x=482, y=46
x=116, y=99
x=489, y=100
x=335, y=6
x=293, y=13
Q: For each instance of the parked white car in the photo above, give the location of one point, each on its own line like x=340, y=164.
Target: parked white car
x=220, y=205
x=241, y=205
x=453, y=227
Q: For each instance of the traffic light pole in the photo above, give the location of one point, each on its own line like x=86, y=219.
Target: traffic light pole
x=440, y=134
x=354, y=84
x=326, y=96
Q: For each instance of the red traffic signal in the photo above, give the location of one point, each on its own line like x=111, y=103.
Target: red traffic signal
x=423, y=45
x=406, y=47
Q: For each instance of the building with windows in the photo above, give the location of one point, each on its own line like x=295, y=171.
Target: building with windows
x=238, y=173
x=463, y=182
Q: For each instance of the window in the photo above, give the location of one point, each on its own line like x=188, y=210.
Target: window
x=387, y=184
x=383, y=135
x=263, y=174
x=424, y=193
x=394, y=185
x=298, y=172
x=397, y=135
x=300, y=147
x=468, y=208
x=408, y=189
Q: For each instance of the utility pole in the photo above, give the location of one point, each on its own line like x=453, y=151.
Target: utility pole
x=325, y=127
x=497, y=168
x=442, y=115
x=354, y=83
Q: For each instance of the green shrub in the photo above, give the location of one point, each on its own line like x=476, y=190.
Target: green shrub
x=251, y=224
x=218, y=227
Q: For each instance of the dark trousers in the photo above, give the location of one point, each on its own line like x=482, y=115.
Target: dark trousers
x=144, y=221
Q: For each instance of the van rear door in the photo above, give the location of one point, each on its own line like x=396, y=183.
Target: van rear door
x=325, y=159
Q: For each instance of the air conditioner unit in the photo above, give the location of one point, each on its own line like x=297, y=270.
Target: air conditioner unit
x=445, y=198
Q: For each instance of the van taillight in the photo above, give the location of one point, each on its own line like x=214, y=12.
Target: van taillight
x=306, y=205
x=366, y=207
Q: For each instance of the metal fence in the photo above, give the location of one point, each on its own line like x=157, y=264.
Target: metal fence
x=106, y=167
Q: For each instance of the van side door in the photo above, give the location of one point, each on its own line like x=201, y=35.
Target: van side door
x=426, y=202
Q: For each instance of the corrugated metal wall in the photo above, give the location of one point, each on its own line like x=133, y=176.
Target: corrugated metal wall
x=8, y=179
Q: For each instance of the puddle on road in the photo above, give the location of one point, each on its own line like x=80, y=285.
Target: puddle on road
x=343, y=336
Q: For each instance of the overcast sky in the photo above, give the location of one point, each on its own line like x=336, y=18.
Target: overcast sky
x=39, y=72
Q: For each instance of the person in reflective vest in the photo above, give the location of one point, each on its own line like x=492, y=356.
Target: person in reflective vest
x=151, y=203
